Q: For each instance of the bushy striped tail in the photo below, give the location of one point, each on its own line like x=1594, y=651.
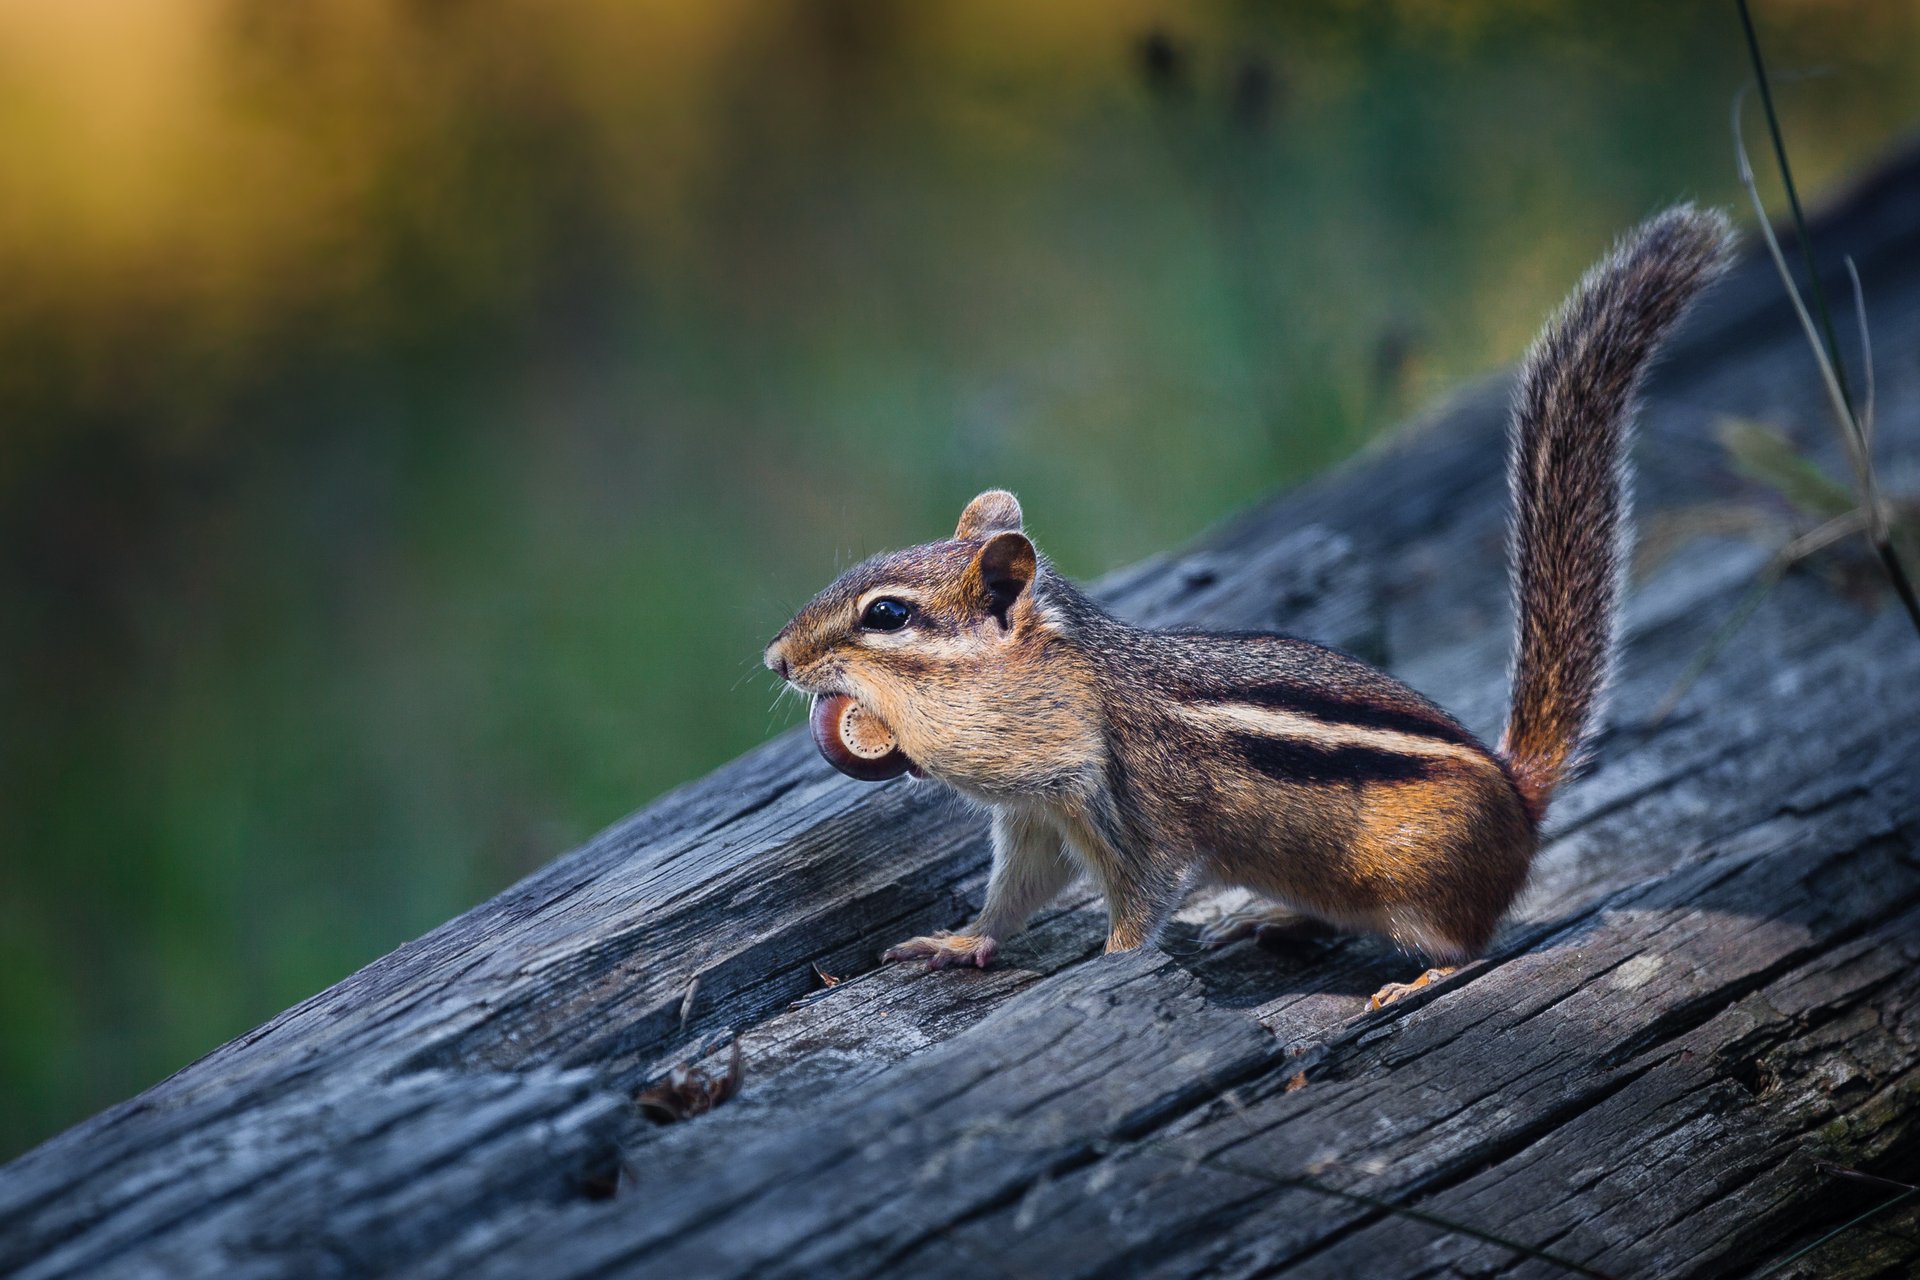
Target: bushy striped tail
x=1572, y=413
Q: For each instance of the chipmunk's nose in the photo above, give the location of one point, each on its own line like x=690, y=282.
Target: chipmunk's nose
x=776, y=660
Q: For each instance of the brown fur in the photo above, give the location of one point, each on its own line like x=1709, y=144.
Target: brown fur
x=1152, y=760
x=1572, y=411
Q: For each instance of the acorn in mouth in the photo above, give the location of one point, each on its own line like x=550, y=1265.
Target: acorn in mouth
x=857, y=744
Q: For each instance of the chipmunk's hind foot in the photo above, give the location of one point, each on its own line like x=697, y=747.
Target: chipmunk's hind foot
x=1271, y=926
x=1397, y=991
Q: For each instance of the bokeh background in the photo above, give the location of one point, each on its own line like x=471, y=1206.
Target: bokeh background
x=415, y=414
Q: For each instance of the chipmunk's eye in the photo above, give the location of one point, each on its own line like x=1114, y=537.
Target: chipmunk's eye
x=886, y=614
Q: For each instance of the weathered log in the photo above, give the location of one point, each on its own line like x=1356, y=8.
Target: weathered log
x=1702, y=1009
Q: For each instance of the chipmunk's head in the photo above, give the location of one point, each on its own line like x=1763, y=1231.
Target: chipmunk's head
x=915, y=613
x=926, y=639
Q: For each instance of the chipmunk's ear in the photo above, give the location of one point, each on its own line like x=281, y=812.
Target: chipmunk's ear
x=992, y=512
x=1005, y=569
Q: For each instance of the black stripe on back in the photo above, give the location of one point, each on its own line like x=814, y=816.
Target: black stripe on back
x=1291, y=760
x=1335, y=710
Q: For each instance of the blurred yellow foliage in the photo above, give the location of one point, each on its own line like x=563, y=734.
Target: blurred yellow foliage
x=415, y=414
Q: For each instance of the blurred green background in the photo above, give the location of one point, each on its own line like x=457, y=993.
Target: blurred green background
x=414, y=416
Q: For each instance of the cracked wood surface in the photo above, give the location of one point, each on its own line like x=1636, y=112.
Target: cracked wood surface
x=1702, y=1008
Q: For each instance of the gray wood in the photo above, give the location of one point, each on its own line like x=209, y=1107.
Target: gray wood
x=1701, y=1008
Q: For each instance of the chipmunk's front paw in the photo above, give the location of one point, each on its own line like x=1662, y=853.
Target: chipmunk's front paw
x=1394, y=991
x=945, y=950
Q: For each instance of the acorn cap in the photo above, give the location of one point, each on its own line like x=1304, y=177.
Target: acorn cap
x=856, y=743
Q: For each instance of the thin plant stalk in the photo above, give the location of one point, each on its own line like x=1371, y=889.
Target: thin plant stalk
x=1300, y=1182
x=1866, y=354
x=1167, y=1149
x=1861, y=1175
x=1792, y=553
x=1793, y=201
x=1848, y=1225
x=1826, y=354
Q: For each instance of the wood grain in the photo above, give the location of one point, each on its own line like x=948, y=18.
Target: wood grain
x=1703, y=1009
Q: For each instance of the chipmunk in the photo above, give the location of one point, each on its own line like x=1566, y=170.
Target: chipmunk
x=1157, y=760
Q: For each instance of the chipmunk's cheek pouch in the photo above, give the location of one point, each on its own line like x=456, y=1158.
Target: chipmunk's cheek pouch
x=855, y=743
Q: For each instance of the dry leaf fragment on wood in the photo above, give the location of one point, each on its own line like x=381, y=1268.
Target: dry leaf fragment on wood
x=690, y=1091
x=827, y=983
